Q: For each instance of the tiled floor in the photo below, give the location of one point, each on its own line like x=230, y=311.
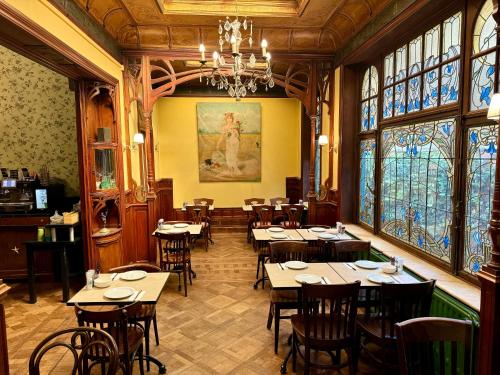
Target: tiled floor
x=218, y=329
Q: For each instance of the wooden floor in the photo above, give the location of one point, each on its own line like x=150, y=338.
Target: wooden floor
x=220, y=328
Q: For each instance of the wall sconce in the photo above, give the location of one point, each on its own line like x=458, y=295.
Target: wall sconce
x=323, y=141
x=138, y=140
x=494, y=109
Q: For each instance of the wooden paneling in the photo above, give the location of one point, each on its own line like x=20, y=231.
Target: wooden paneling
x=136, y=234
x=109, y=248
x=165, y=199
x=294, y=189
x=327, y=213
x=225, y=217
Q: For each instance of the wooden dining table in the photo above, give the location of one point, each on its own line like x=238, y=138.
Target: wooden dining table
x=283, y=278
x=193, y=229
x=311, y=235
x=147, y=290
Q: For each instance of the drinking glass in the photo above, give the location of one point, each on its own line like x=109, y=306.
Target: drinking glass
x=89, y=275
x=399, y=264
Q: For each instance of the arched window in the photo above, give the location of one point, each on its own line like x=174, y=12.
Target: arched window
x=367, y=146
x=369, y=91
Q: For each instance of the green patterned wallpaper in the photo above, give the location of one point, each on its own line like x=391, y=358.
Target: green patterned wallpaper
x=37, y=120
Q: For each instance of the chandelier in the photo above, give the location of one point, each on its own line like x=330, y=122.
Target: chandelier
x=238, y=75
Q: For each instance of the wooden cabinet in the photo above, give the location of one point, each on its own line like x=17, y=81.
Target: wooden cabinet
x=102, y=195
x=13, y=232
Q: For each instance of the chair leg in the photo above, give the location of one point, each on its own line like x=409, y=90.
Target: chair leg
x=258, y=268
x=184, y=272
x=270, y=316
x=263, y=272
x=155, y=326
x=294, y=352
x=141, y=361
x=147, y=326
x=277, y=313
x=190, y=272
x=350, y=359
x=307, y=359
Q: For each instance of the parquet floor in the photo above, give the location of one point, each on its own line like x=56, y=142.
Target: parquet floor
x=218, y=329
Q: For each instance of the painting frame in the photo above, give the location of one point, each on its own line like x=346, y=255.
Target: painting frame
x=229, y=141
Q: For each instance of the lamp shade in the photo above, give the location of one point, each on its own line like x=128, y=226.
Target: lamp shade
x=494, y=109
x=323, y=140
x=138, y=138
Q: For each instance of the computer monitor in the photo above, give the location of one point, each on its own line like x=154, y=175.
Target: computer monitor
x=41, y=201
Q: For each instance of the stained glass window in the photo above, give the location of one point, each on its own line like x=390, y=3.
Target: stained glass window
x=431, y=76
x=369, y=91
x=367, y=181
x=417, y=185
x=483, y=59
x=480, y=178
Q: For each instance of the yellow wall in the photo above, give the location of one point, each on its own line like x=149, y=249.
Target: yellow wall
x=336, y=129
x=177, y=157
x=48, y=17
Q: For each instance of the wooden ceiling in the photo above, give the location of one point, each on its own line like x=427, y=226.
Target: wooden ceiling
x=290, y=26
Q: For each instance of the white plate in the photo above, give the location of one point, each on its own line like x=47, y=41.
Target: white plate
x=275, y=229
x=119, y=292
x=133, y=275
x=181, y=225
x=305, y=278
x=165, y=227
x=295, y=265
x=379, y=279
x=367, y=264
x=279, y=236
x=317, y=229
x=327, y=236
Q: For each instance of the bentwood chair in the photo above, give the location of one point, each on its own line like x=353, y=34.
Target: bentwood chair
x=430, y=345
x=175, y=255
x=327, y=324
x=264, y=216
x=198, y=214
x=398, y=302
x=128, y=336
x=319, y=251
x=278, y=216
x=148, y=311
x=350, y=250
x=251, y=217
x=206, y=202
x=281, y=252
x=263, y=255
x=88, y=347
x=292, y=215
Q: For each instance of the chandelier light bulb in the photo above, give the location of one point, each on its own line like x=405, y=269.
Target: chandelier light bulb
x=263, y=45
x=202, y=50
x=268, y=56
x=215, y=57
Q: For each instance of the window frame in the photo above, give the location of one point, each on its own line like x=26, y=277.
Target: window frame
x=465, y=119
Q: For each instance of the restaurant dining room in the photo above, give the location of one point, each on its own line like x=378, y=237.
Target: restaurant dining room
x=249, y=187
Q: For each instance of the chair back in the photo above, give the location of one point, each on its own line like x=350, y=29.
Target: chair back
x=203, y=201
x=430, y=345
x=137, y=266
x=329, y=314
x=173, y=248
x=83, y=344
x=279, y=201
x=400, y=302
x=264, y=214
x=197, y=213
x=283, y=251
x=115, y=322
x=293, y=215
x=254, y=201
x=350, y=250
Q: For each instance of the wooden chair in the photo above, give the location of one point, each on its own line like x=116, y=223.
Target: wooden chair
x=278, y=216
x=398, y=302
x=175, y=255
x=264, y=216
x=350, y=250
x=293, y=215
x=128, y=337
x=88, y=347
x=319, y=251
x=198, y=214
x=281, y=252
x=327, y=324
x=206, y=202
x=429, y=344
x=251, y=216
x=148, y=311
x=263, y=254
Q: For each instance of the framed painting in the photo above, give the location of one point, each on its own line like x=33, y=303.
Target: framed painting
x=229, y=142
